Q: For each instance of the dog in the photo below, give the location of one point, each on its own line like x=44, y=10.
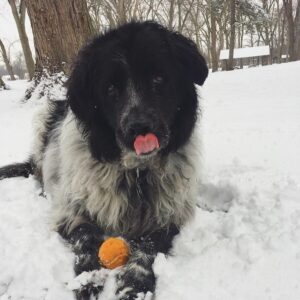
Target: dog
x=119, y=156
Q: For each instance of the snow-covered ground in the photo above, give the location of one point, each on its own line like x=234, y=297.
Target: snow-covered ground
x=251, y=170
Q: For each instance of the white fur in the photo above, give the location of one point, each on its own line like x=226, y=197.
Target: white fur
x=40, y=127
x=80, y=185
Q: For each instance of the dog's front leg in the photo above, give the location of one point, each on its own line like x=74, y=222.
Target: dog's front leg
x=137, y=277
x=85, y=239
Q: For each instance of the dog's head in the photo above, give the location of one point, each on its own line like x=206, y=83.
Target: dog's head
x=132, y=89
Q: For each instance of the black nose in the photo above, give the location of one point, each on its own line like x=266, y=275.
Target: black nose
x=139, y=127
x=139, y=122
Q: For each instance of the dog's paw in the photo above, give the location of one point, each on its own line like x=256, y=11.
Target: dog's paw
x=88, y=284
x=88, y=292
x=86, y=262
x=135, y=282
x=131, y=295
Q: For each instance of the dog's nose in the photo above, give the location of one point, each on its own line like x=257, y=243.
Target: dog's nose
x=139, y=127
x=139, y=121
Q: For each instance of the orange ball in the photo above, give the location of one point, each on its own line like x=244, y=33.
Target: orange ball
x=113, y=253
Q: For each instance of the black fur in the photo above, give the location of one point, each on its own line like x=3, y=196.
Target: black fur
x=160, y=66
x=58, y=111
x=16, y=170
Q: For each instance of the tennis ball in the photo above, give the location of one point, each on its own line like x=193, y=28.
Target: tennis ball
x=113, y=253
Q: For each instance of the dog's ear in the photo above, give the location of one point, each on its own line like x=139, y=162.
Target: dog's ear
x=189, y=58
x=84, y=98
x=81, y=90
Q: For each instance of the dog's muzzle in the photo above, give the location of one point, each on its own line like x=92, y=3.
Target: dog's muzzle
x=142, y=131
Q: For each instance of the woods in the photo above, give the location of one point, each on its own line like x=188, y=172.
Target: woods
x=60, y=28
x=18, y=9
x=213, y=24
x=6, y=61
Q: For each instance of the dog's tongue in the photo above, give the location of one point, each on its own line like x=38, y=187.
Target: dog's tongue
x=145, y=144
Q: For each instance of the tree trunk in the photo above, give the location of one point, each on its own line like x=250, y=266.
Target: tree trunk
x=6, y=61
x=297, y=31
x=179, y=7
x=214, y=55
x=281, y=28
x=121, y=11
x=282, y=39
x=171, y=14
x=60, y=28
x=20, y=22
x=232, y=35
x=288, y=8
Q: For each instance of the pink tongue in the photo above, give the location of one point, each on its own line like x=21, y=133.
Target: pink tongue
x=145, y=144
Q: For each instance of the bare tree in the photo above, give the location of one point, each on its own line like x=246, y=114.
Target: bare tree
x=212, y=24
x=214, y=55
x=232, y=35
x=94, y=9
x=279, y=39
x=117, y=12
x=171, y=14
x=19, y=65
x=6, y=61
x=297, y=30
x=19, y=14
x=293, y=25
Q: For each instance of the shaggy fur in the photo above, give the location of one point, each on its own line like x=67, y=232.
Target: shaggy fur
x=134, y=80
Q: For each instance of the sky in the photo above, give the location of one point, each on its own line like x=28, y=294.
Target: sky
x=9, y=32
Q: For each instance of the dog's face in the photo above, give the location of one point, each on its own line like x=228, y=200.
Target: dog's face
x=133, y=91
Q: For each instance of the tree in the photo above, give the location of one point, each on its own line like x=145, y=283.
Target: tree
x=297, y=31
x=212, y=24
x=293, y=25
x=19, y=65
x=6, y=61
x=213, y=20
x=280, y=40
x=60, y=28
x=19, y=16
x=112, y=13
x=232, y=35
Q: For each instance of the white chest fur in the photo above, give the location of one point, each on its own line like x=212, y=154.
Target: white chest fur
x=86, y=187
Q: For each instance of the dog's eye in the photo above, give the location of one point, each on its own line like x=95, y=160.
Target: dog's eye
x=111, y=90
x=157, y=80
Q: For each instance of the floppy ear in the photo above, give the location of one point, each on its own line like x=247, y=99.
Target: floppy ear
x=84, y=99
x=81, y=90
x=191, y=61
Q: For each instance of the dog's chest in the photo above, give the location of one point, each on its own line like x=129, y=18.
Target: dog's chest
x=142, y=195
x=120, y=199
x=135, y=201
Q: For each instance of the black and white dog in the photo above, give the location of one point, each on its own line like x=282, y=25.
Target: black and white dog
x=119, y=157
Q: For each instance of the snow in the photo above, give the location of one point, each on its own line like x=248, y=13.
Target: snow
x=50, y=87
x=245, y=240
x=246, y=52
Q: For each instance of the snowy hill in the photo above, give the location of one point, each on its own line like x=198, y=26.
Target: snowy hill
x=244, y=243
